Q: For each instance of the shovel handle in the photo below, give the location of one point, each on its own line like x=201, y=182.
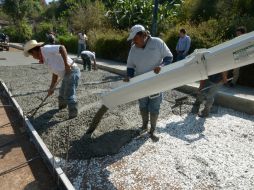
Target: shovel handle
x=42, y=102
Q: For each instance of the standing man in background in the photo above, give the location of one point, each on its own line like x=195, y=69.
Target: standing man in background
x=183, y=45
x=239, y=31
x=51, y=38
x=81, y=43
x=147, y=54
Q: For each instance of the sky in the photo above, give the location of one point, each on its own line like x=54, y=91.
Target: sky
x=47, y=1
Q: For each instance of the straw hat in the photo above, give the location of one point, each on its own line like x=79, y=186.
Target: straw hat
x=30, y=45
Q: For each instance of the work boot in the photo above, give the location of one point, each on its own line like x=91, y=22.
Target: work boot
x=73, y=110
x=195, y=107
x=61, y=103
x=145, y=119
x=205, y=112
x=153, y=122
x=89, y=67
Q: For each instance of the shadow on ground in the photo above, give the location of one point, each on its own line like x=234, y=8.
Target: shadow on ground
x=96, y=174
x=190, y=129
x=107, y=144
x=45, y=120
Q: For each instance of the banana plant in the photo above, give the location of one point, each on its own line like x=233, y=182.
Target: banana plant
x=125, y=13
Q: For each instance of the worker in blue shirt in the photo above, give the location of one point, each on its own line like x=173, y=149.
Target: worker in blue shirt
x=183, y=45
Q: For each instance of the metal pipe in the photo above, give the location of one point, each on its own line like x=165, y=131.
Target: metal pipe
x=19, y=166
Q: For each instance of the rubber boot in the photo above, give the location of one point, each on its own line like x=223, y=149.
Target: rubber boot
x=153, y=122
x=205, y=112
x=61, y=104
x=89, y=67
x=84, y=67
x=145, y=119
x=195, y=107
x=73, y=110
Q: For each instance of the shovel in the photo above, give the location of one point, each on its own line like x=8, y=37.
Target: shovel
x=34, y=111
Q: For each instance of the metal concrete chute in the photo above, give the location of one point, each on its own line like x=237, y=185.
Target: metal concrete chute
x=232, y=54
x=197, y=66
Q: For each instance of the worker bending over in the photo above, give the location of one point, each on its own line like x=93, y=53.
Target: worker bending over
x=61, y=66
x=87, y=57
x=146, y=54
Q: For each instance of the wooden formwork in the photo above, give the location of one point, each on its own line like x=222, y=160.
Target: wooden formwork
x=49, y=160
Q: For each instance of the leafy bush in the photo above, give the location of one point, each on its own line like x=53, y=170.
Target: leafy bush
x=41, y=30
x=89, y=17
x=61, y=28
x=232, y=23
x=204, y=35
x=198, y=10
x=125, y=14
x=110, y=44
x=70, y=43
x=20, y=33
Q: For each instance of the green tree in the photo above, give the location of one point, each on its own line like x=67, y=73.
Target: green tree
x=125, y=13
x=19, y=10
x=21, y=33
x=88, y=17
x=198, y=10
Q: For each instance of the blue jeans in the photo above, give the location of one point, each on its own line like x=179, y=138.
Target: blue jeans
x=151, y=105
x=180, y=56
x=67, y=92
x=81, y=47
x=86, y=61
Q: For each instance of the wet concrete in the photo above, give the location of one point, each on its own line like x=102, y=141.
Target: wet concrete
x=97, y=118
x=64, y=137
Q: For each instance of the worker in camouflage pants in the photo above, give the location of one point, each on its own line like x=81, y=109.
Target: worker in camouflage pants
x=206, y=92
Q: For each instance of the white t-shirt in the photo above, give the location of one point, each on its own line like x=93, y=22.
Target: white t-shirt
x=81, y=38
x=89, y=54
x=146, y=59
x=53, y=59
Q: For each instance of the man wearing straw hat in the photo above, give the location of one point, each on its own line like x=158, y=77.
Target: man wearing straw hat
x=62, y=67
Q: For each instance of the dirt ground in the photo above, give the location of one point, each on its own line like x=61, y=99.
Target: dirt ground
x=21, y=168
x=192, y=153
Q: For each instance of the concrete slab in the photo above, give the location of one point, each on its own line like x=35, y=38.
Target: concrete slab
x=8, y=58
x=17, y=46
x=108, y=65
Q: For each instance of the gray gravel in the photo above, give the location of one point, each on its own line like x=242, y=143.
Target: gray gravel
x=29, y=86
x=193, y=153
